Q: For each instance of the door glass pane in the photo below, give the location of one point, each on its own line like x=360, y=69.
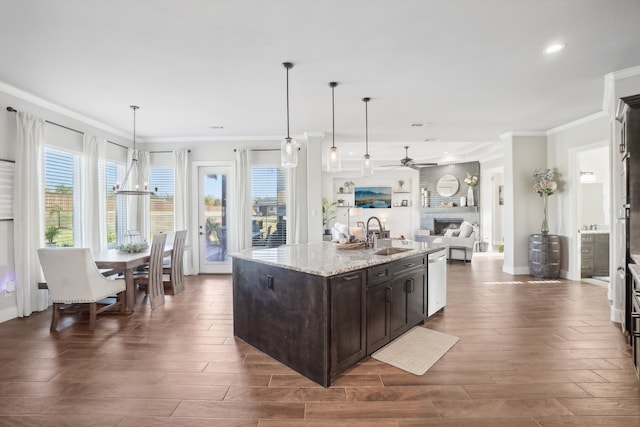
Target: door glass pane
x=215, y=217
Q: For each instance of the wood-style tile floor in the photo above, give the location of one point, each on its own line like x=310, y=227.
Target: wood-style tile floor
x=531, y=353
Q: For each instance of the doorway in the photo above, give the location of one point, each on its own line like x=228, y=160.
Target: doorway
x=593, y=213
x=215, y=218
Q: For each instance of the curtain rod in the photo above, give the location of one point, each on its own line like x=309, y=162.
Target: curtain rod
x=263, y=149
x=165, y=152
x=13, y=110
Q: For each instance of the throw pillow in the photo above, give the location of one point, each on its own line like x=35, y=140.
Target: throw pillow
x=465, y=229
x=451, y=232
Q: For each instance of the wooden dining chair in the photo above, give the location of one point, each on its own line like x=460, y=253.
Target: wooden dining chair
x=176, y=268
x=152, y=278
x=74, y=282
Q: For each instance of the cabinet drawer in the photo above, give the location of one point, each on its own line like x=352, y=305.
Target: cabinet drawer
x=587, y=265
x=404, y=265
x=378, y=274
x=586, y=238
x=586, y=251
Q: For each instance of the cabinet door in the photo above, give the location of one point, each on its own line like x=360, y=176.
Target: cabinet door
x=348, y=320
x=601, y=255
x=417, y=298
x=398, y=313
x=378, y=302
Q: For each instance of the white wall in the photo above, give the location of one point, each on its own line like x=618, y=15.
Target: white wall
x=563, y=148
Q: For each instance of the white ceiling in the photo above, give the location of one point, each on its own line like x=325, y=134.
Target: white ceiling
x=468, y=70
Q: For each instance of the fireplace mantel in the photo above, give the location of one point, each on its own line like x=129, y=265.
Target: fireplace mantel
x=454, y=209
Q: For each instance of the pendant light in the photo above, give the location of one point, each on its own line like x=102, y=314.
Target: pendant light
x=334, y=162
x=288, y=146
x=134, y=183
x=367, y=165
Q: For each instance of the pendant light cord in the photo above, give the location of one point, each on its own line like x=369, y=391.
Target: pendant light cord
x=333, y=113
x=366, y=125
x=287, y=67
x=134, y=108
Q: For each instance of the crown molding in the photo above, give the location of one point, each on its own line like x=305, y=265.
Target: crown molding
x=229, y=138
x=578, y=122
x=511, y=134
x=40, y=102
x=610, y=83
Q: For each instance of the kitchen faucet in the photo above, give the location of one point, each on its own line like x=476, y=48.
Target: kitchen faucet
x=379, y=228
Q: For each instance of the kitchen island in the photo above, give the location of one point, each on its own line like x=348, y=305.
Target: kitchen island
x=319, y=309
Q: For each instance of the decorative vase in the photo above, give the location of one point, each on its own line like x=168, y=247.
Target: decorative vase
x=470, y=201
x=545, y=226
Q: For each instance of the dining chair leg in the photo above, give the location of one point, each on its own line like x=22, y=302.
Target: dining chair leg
x=92, y=315
x=55, y=315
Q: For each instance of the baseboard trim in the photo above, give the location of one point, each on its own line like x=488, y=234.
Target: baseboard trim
x=8, y=313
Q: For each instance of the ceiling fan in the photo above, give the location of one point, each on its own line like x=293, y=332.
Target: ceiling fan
x=408, y=162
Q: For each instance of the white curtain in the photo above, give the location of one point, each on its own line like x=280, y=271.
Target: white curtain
x=245, y=206
x=293, y=210
x=182, y=207
x=94, y=233
x=28, y=220
x=138, y=206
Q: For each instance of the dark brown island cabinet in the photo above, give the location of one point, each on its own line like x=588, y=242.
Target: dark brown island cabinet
x=319, y=310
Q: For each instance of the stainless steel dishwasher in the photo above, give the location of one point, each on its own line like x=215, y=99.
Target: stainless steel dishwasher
x=437, y=282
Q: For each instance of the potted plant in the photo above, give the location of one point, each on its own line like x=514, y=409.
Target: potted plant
x=340, y=202
x=328, y=213
x=401, y=183
x=50, y=233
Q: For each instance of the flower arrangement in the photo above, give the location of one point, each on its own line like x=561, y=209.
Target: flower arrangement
x=348, y=185
x=544, y=182
x=471, y=180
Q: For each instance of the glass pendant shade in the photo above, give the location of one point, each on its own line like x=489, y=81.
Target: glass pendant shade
x=367, y=166
x=334, y=162
x=289, y=153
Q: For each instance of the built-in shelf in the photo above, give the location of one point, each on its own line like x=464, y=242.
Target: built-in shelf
x=401, y=192
x=344, y=206
x=452, y=209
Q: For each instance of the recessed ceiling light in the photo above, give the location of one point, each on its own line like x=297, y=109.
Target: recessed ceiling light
x=557, y=47
x=433, y=140
x=446, y=152
x=417, y=125
x=216, y=127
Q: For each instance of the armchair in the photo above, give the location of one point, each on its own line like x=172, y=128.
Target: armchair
x=73, y=279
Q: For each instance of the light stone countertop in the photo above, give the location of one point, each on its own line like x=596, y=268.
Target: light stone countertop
x=635, y=258
x=594, y=231
x=325, y=259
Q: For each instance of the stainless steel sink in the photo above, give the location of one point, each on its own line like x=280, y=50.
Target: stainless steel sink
x=391, y=251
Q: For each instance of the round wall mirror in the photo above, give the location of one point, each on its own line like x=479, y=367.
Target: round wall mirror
x=447, y=186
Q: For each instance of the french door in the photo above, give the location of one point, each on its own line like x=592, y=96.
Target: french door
x=216, y=220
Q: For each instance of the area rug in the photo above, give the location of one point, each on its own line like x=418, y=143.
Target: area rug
x=417, y=350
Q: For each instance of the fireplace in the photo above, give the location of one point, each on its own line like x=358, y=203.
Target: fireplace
x=440, y=225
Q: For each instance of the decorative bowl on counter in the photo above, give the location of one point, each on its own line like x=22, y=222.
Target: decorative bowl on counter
x=131, y=248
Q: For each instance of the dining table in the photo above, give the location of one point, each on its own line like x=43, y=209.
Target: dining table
x=126, y=262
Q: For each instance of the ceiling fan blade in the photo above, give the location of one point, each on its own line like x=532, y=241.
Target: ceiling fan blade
x=425, y=164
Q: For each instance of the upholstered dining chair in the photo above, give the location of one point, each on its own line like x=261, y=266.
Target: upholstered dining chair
x=152, y=278
x=176, y=269
x=74, y=280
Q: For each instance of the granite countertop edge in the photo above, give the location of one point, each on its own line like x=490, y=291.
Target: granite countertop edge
x=325, y=259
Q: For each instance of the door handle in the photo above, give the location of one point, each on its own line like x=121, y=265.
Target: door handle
x=387, y=295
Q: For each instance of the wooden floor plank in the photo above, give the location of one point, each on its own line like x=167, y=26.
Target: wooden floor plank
x=531, y=353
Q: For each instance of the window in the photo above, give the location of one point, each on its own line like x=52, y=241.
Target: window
x=61, y=171
x=161, y=204
x=268, y=186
